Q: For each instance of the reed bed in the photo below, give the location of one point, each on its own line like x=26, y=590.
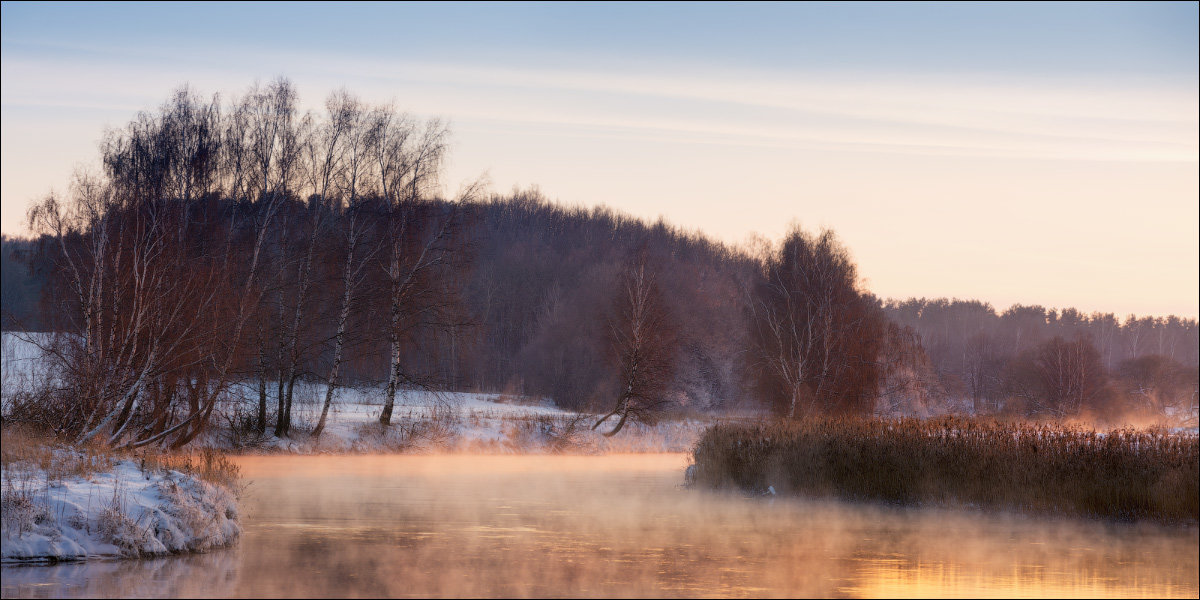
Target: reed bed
x=1123, y=474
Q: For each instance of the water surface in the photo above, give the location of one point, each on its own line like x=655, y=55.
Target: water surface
x=615, y=525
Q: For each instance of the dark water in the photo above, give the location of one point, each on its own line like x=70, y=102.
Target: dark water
x=616, y=525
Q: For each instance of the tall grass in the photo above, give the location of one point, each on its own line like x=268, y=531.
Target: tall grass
x=26, y=448
x=206, y=463
x=30, y=447
x=1122, y=474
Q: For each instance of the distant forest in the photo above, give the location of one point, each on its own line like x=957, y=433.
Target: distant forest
x=245, y=241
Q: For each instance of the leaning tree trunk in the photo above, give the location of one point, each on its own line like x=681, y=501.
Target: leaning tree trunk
x=340, y=338
x=620, y=424
x=294, y=338
x=622, y=408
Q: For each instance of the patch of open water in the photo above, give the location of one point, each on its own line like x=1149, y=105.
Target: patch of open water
x=614, y=525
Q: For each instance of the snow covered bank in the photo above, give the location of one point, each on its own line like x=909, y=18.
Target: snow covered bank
x=123, y=511
x=447, y=422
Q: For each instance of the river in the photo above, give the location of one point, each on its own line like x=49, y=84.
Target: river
x=615, y=525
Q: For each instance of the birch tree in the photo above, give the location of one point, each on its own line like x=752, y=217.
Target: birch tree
x=815, y=340
x=420, y=240
x=153, y=304
x=643, y=346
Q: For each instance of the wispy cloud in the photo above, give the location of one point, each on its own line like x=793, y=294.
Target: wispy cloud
x=1081, y=120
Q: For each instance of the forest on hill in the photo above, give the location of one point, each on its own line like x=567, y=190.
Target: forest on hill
x=249, y=243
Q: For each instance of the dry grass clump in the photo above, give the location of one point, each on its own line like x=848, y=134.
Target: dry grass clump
x=115, y=526
x=208, y=464
x=1123, y=474
x=29, y=447
x=19, y=508
x=413, y=432
x=552, y=433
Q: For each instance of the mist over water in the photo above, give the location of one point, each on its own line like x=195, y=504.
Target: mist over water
x=615, y=525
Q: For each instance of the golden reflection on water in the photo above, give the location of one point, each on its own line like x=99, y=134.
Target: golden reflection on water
x=616, y=525
x=895, y=579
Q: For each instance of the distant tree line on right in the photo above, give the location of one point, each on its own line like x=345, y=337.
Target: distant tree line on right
x=1058, y=363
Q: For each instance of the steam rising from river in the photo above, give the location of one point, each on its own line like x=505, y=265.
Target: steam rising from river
x=617, y=525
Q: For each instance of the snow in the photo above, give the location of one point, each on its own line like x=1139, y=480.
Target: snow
x=20, y=361
x=117, y=511
x=424, y=421
x=122, y=511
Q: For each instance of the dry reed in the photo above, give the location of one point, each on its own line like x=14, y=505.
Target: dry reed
x=26, y=447
x=1122, y=474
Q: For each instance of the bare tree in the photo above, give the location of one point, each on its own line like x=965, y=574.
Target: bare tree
x=815, y=339
x=1159, y=387
x=643, y=345
x=155, y=303
x=420, y=239
x=981, y=366
x=426, y=254
x=1058, y=378
x=321, y=150
x=347, y=121
x=146, y=304
x=908, y=384
x=353, y=276
x=1072, y=375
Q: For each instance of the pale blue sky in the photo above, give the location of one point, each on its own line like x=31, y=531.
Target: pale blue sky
x=1008, y=152
x=1064, y=38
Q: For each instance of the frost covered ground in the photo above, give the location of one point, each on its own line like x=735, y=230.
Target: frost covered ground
x=448, y=422
x=60, y=504
x=121, y=511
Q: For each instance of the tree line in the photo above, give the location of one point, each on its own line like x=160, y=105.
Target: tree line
x=1031, y=359
x=228, y=250
x=214, y=239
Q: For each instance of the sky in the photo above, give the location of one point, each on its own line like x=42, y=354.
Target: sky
x=1012, y=153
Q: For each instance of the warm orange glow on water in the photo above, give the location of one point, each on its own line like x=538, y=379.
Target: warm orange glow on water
x=616, y=525
x=442, y=465
x=898, y=579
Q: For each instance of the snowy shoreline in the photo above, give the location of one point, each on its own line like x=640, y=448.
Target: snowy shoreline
x=423, y=421
x=123, y=511
x=458, y=422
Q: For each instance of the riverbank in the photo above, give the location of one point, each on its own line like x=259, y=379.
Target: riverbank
x=456, y=422
x=422, y=421
x=70, y=504
x=1121, y=474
